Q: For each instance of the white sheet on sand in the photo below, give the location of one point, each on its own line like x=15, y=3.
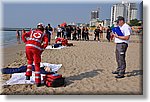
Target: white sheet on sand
x=19, y=78
x=50, y=47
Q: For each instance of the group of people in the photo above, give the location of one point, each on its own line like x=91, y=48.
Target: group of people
x=72, y=32
x=99, y=33
x=37, y=40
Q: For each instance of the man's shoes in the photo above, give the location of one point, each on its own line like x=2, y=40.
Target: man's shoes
x=27, y=77
x=119, y=76
x=115, y=72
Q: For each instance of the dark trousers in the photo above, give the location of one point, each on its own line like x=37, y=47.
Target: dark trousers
x=74, y=36
x=86, y=36
x=120, y=56
x=49, y=37
x=96, y=35
x=79, y=35
x=108, y=37
x=58, y=34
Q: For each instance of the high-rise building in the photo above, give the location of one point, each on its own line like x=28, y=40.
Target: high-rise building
x=141, y=10
x=94, y=17
x=95, y=14
x=118, y=10
x=132, y=11
x=127, y=10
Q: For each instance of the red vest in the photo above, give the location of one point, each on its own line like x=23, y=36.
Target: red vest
x=34, y=39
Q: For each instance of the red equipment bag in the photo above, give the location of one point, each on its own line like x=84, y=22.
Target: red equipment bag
x=54, y=80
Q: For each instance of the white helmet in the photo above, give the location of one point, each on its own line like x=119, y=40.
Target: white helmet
x=40, y=26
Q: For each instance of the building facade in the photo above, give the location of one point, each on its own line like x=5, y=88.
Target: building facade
x=127, y=10
x=132, y=11
x=94, y=18
x=95, y=14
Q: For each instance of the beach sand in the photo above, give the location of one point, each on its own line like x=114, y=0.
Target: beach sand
x=87, y=68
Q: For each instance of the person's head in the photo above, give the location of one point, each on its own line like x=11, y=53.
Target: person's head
x=40, y=26
x=109, y=27
x=49, y=25
x=23, y=31
x=97, y=27
x=120, y=20
x=58, y=25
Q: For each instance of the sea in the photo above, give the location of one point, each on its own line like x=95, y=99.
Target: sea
x=8, y=38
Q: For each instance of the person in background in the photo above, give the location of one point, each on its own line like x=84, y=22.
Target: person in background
x=68, y=32
x=101, y=31
x=86, y=32
x=74, y=33
x=108, y=36
x=64, y=32
x=59, y=31
x=18, y=36
x=83, y=34
x=121, y=46
x=79, y=33
x=36, y=41
x=49, y=31
x=96, y=32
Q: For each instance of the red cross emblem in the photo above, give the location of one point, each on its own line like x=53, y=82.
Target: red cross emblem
x=37, y=35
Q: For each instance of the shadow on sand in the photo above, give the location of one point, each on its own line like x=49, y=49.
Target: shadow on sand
x=134, y=73
x=90, y=74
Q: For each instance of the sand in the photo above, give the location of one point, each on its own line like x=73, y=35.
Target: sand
x=87, y=68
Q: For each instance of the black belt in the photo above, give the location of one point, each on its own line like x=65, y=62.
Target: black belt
x=123, y=43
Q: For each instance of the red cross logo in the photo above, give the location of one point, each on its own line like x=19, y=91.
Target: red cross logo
x=37, y=35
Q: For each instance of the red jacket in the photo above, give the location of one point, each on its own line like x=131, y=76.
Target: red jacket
x=36, y=39
x=62, y=40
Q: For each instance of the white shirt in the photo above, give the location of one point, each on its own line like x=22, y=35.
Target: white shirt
x=126, y=30
x=59, y=29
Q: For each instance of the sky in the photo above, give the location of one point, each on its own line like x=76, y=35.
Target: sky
x=30, y=14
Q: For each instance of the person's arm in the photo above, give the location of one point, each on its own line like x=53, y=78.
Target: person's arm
x=127, y=32
x=25, y=35
x=122, y=37
x=45, y=41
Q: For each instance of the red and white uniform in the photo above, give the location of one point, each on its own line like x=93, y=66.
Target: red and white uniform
x=62, y=40
x=36, y=41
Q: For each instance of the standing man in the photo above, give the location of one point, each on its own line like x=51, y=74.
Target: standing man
x=79, y=33
x=121, y=46
x=108, y=33
x=18, y=36
x=49, y=31
x=96, y=32
x=59, y=30
x=36, y=41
